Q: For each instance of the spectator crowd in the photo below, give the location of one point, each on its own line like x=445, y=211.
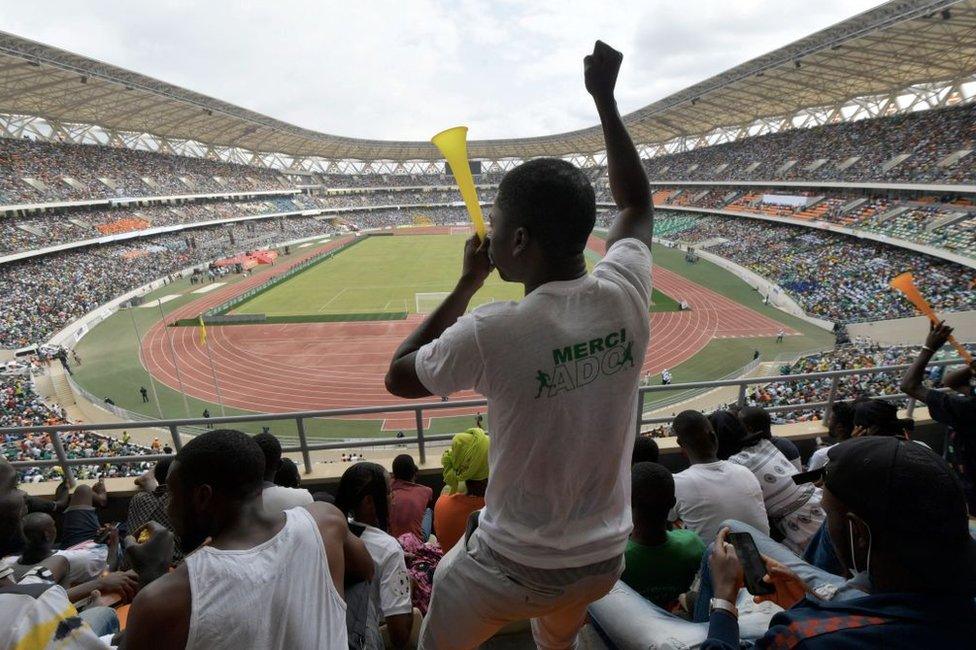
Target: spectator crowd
x=852, y=151
x=20, y=406
x=832, y=276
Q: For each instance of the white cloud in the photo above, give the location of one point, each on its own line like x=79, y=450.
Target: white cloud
x=404, y=70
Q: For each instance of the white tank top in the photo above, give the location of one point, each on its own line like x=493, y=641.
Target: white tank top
x=278, y=594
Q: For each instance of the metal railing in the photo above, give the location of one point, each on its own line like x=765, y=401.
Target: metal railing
x=421, y=438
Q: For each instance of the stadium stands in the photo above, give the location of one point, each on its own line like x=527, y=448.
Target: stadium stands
x=20, y=406
x=832, y=276
x=35, y=172
x=43, y=294
x=914, y=219
x=911, y=148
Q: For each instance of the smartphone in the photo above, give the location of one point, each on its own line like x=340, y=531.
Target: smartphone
x=808, y=477
x=753, y=565
x=356, y=529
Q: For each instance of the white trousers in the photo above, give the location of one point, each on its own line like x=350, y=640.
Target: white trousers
x=474, y=596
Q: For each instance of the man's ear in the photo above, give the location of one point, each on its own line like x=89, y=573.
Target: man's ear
x=203, y=496
x=520, y=241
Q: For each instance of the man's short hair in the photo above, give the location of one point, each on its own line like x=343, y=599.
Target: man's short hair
x=756, y=420
x=34, y=527
x=288, y=474
x=404, y=468
x=842, y=415
x=161, y=470
x=730, y=433
x=879, y=417
x=694, y=432
x=645, y=451
x=271, y=449
x=652, y=491
x=554, y=200
x=360, y=481
x=229, y=461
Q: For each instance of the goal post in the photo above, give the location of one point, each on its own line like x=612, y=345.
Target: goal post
x=460, y=230
x=428, y=302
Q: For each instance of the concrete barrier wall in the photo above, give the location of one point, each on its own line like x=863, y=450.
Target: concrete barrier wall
x=912, y=331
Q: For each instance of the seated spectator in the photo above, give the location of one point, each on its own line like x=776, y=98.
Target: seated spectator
x=37, y=611
x=645, y=451
x=757, y=422
x=364, y=495
x=712, y=490
x=85, y=561
x=151, y=502
x=794, y=510
x=660, y=563
x=288, y=475
x=875, y=417
x=293, y=564
x=79, y=523
x=277, y=498
x=411, y=510
x=839, y=428
x=898, y=517
x=466, y=461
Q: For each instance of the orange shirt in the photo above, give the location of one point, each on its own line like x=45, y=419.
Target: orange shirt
x=451, y=516
x=410, y=500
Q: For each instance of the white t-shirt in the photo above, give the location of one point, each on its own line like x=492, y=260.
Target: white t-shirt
x=278, y=499
x=707, y=494
x=818, y=458
x=86, y=561
x=560, y=371
x=392, y=582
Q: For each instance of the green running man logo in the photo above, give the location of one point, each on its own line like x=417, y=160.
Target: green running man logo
x=577, y=365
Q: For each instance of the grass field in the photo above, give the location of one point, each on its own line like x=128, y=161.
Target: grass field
x=385, y=274
x=380, y=274
x=111, y=365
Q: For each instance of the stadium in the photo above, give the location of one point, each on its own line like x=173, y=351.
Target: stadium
x=174, y=266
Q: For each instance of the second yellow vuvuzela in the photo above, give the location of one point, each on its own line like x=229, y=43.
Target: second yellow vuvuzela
x=454, y=147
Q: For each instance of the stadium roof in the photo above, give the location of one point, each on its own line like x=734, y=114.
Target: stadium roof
x=881, y=52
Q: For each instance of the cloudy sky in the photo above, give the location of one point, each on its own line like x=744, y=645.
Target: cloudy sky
x=406, y=69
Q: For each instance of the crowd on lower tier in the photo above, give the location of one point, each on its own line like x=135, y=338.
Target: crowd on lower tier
x=851, y=387
x=851, y=151
x=20, y=406
x=948, y=223
x=832, y=276
x=41, y=295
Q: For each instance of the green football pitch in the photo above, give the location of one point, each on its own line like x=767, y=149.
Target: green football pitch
x=403, y=273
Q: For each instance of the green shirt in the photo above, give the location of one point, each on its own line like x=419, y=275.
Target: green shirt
x=661, y=573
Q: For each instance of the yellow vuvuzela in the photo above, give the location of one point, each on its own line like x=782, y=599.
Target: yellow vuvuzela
x=454, y=147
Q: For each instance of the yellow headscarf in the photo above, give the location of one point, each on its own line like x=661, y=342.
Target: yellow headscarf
x=467, y=459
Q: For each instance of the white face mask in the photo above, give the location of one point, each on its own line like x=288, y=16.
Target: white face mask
x=861, y=579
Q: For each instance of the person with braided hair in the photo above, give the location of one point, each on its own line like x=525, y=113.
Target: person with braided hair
x=466, y=461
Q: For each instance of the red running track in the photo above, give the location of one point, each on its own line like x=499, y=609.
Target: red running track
x=315, y=366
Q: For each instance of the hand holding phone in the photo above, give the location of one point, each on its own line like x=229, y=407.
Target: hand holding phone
x=753, y=564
